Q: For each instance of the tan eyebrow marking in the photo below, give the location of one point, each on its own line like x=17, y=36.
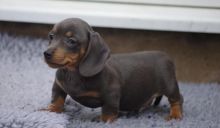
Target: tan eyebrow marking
x=69, y=34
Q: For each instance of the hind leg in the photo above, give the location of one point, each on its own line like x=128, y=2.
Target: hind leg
x=171, y=90
x=176, y=111
x=176, y=101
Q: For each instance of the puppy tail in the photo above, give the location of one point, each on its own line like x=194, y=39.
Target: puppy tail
x=157, y=101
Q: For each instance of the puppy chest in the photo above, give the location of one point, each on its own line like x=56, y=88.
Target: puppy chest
x=90, y=99
x=71, y=87
x=85, y=96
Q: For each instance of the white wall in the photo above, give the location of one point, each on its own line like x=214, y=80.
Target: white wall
x=141, y=14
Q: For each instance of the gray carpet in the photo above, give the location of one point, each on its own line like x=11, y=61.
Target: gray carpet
x=25, y=86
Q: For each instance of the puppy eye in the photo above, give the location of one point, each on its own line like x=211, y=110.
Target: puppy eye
x=50, y=36
x=71, y=42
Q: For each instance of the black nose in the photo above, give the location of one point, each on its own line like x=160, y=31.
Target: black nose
x=47, y=55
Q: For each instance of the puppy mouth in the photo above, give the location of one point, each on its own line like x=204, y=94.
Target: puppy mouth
x=55, y=65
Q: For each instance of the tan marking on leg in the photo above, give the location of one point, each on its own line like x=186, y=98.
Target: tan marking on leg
x=175, y=111
x=56, y=106
x=90, y=94
x=108, y=118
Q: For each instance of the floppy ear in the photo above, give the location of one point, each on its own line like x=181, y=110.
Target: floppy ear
x=96, y=55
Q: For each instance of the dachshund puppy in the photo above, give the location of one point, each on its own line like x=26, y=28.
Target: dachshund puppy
x=119, y=82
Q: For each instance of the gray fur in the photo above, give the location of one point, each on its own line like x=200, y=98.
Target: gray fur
x=124, y=82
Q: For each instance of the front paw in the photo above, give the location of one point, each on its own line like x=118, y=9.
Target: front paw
x=176, y=117
x=105, y=118
x=53, y=108
x=108, y=118
x=96, y=119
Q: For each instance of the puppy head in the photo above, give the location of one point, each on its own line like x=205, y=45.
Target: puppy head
x=74, y=45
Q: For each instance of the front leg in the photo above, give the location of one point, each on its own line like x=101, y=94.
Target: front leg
x=109, y=113
x=110, y=109
x=58, y=99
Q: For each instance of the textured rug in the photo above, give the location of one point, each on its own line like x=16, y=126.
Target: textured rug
x=25, y=86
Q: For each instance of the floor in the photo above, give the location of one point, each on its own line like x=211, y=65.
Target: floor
x=25, y=87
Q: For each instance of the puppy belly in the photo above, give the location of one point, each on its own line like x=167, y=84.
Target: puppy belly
x=89, y=102
x=137, y=104
x=130, y=106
